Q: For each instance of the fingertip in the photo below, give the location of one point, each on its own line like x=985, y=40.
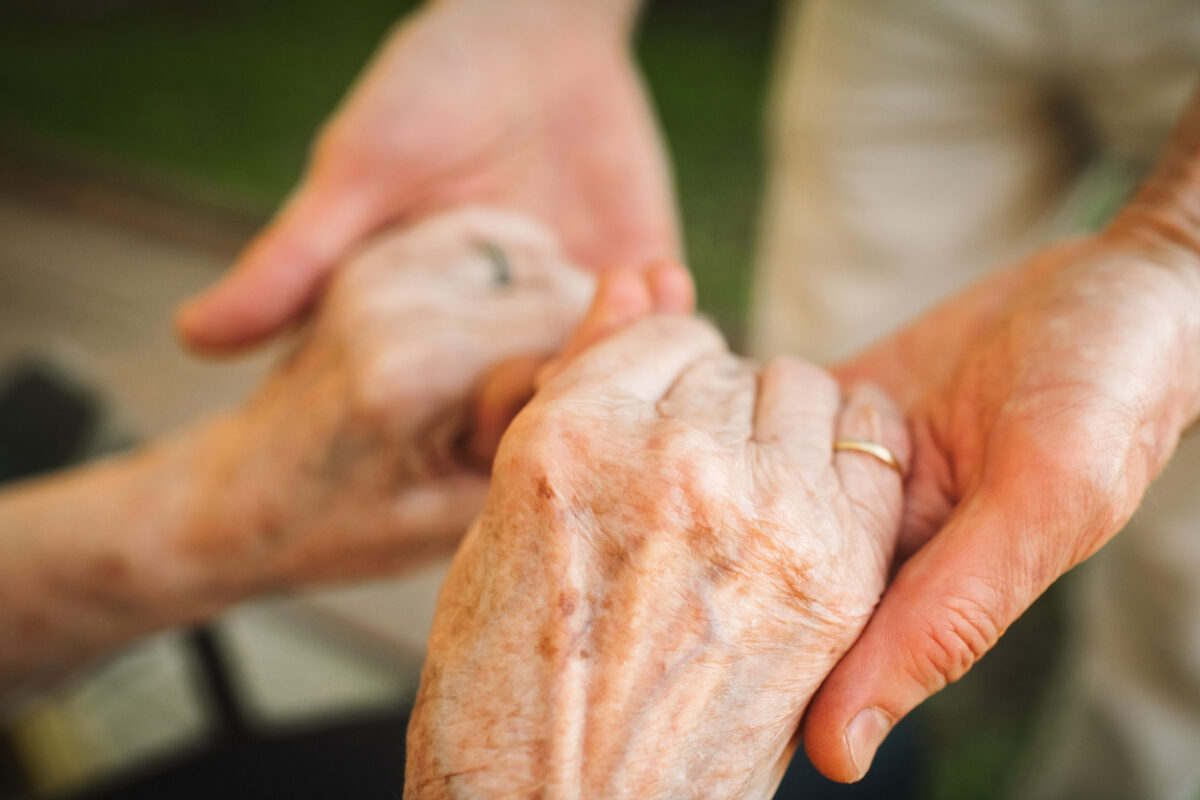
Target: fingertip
x=621, y=297
x=272, y=285
x=209, y=325
x=843, y=728
x=671, y=287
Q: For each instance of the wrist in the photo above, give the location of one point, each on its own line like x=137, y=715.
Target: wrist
x=1156, y=254
x=229, y=512
x=92, y=558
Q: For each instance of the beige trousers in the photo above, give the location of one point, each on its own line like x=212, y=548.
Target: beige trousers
x=918, y=144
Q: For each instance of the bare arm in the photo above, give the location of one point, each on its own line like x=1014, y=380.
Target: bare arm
x=94, y=557
x=346, y=463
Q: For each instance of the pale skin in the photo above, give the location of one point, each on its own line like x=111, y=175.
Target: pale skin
x=671, y=559
x=1105, y=327
x=358, y=456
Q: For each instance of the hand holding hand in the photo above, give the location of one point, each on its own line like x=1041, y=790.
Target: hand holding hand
x=350, y=459
x=531, y=106
x=671, y=559
x=1043, y=402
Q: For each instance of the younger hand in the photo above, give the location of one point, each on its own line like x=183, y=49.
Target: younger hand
x=531, y=106
x=1043, y=402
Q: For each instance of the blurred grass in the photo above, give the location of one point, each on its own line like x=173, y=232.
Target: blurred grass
x=217, y=101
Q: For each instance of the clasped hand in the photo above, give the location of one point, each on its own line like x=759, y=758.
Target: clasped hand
x=670, y=561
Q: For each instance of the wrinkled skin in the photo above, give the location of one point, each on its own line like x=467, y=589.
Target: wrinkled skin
x=670, y=560
x=350, y=461
x=533, y=106
x=1043, y=403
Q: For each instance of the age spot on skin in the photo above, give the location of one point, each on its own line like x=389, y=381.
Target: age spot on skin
x=567, y=601
x=109, y=569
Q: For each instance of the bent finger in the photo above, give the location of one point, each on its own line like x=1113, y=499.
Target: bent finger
x=640, y=362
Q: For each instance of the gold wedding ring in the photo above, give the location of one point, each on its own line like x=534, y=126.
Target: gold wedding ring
x=872, y=449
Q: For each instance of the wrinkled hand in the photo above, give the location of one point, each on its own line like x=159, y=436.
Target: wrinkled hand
x=533, y=106
x=670, y=561
x=1043, y=403
x=350, y=459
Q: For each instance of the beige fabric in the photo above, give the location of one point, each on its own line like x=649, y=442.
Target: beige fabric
x=919, y=144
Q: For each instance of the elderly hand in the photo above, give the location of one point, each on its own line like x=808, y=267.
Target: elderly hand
x=1043, y=403
x=670, y=561
x=533, y=106
x=350, y=459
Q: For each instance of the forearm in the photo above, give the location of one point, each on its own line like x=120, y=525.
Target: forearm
x=94, y=557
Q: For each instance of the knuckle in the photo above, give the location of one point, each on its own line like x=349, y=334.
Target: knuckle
x=543, y=440
x=694, y=331
x=1089, y=464
x=797, y=371
x=686, y=459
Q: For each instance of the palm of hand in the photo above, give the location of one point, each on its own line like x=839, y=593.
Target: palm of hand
x=451, y=113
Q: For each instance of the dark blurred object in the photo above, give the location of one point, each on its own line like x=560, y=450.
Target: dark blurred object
x=364, y=760
x=359, y=760
x=893, y=775
x=46, y=421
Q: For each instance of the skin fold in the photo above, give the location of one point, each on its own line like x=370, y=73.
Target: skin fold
x=670, y=560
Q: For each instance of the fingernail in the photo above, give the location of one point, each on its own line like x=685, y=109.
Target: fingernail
x=864, y=734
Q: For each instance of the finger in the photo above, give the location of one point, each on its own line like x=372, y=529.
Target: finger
x=875, y=488
x=622, y=296
x=671, y=287
x=947, y=606
x=716, y=395
x=796, y=410
x=638, y=363
x=278, y=276
x=505, y=391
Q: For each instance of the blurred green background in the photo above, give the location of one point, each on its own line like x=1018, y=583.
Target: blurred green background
x=218, y=101
x=215, y=102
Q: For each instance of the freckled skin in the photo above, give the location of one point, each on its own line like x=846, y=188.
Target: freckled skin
x=670, y=561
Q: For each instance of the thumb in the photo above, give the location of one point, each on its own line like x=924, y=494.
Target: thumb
x=279, y=274
x=947, y=607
